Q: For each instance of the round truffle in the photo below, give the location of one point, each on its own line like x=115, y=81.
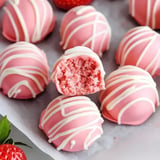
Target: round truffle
x=140, y=47
x=27, y=20
x=146, y=12
x=24, y=71
x=2, y=2
x=130, y=96
x=78, y=72
x=71, y=123
x=84, y=26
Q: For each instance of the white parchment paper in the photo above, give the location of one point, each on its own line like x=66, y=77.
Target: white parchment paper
x=117, y=141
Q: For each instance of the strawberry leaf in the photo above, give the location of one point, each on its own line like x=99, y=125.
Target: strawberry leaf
x=9, y=141
x=5, y=129
x=22, y=144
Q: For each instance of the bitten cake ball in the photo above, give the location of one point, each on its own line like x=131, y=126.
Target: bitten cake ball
x=2, y=2
x=140, y=47
x=146, y=12
x=130, y=96
x=27, y=20
x=84, y=26
x=24, y=71
x=71, y=123
x=78, y=72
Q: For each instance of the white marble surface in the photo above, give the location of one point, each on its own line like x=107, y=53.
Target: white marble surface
x=117, y=142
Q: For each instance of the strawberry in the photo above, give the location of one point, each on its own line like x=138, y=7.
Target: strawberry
x=8, y=151
x=68, y=4
x=11, y=152
x=2, y=2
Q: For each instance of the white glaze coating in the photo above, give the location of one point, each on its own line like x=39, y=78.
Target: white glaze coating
x=87, y=109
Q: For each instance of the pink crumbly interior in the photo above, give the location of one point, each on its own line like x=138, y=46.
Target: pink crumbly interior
x=80, y=76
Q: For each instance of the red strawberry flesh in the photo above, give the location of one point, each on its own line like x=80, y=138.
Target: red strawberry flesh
x=68, y=4
x=11, y=152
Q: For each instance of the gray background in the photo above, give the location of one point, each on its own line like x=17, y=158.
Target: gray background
x=117, y=142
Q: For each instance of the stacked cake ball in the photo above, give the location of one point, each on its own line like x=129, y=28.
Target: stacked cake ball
x=73, y=122
x=24, y=71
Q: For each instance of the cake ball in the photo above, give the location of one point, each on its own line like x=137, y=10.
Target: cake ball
x=79, y=71
x=84, y=26
x=2, y=2
x=71, y=123
x=24, y=71
x=140, y=47
x=130, y=96
x=146, y=12
x=27, y=20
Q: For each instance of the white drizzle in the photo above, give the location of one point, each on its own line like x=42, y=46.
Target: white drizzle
x=27, y=71
x=125, y=94
x=13, y=23
x=62, y=101
x=22, y=21
x=154, y=62
x=77, y=29
x=155, y=10
x=14, y=1
x=14, y=91
x=74, y=21
x=39, y=24
x=73, y=142
x=127, y=40
x=132, y=7
x=132, y=46
x=88, y=109
x=131, y=103
x=145, y=50
x=132, y=83
x=63, y=144
x=37, y=32
x=151, y=11
x=148, y=14
x=80, y=10
x=132, y=40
